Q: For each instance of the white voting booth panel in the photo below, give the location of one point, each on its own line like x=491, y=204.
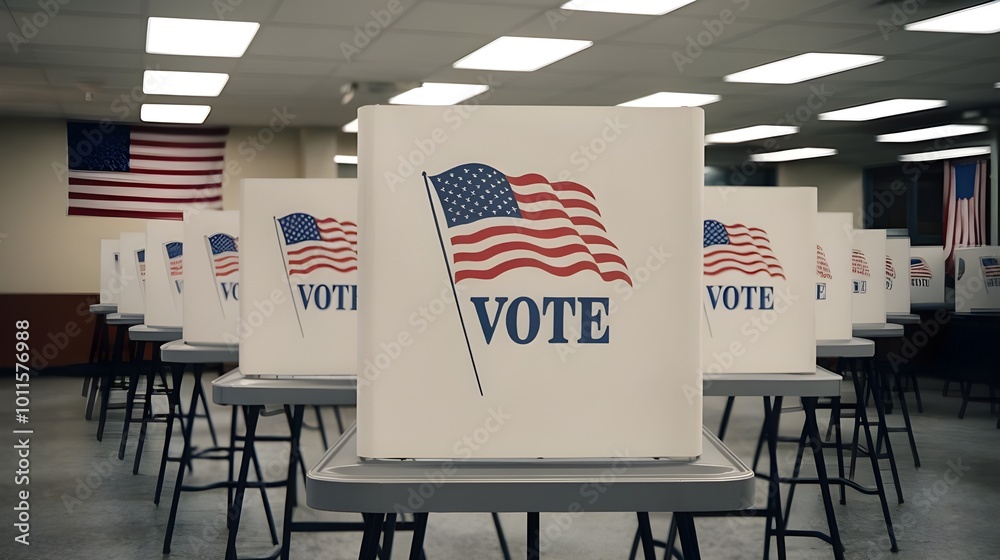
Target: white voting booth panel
x=759, y=295
x=298, y=295
x=834, y=231
x=573, y=283
x=927, y=274
x=131, y=248
x=868, y=276
x=211, y=277
x=164, y=274
x=897, y=275
x=977, y=279
x=111, y=284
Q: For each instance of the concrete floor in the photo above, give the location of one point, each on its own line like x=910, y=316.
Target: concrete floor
x=85, y=503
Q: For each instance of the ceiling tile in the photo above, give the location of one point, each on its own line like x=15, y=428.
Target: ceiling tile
x=228, y=10
x=121, y=7
x=682, y=31
x=783, y=36
x=465, y=18
x=291, y=66
x=87, y=57
x=302, y=42
x=86, y=31
x=346, y=14
x=430, y=49
x=591, y=26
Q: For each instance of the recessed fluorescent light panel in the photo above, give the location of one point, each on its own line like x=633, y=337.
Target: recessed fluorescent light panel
x=947, y=154
x=982, y=19
x=346, y=160
x=199, y=37
x=882, y=109
x=803, y=67
x=672, y=99
x=794, y=154
x=351, y=127
x=640, y=7
x=521, y=54
x=438, y=94
x=200, y=84
x=750, y=133
x=163, y=113
x=931, y=133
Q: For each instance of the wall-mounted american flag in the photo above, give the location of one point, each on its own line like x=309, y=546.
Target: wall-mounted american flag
x=148, y=172
x=964, y=217
x=225, y=254
x=822, y=265
x=859, y=264
x=312, y=243
x=740, y=248
x=497, y=223
x=175, y=256
x=919, y=268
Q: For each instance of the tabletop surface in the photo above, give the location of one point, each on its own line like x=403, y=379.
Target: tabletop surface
x=877, y=330
x=931, y=306
x=124, y=319
x=155, y=334
x=234, y=388
x=821, y=383
x=716, y=481
x=180, y=352
x=902, y=318
x=852, y=348
x=103, y=308
x=990, y=314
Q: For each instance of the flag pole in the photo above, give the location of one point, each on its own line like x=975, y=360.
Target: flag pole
x=451, y=279
x=288, y=277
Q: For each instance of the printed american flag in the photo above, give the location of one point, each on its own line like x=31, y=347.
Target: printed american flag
x=859, y=264
x=175, y=255
x=919, y=268
x=148, y=172
x=964, y=208
x=991, y=267
x=738, y=247
x=225, y=255
x=319, y=243
x=890, y=270
x=499, y=222
x=822, y=266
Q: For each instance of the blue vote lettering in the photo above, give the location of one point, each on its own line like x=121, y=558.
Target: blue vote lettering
x=593, y=311
x=339, y=297
x=230, y=289
x=747, y=297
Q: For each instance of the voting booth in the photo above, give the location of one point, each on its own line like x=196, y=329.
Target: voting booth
x=927, y=275
x=131, y=260
x=868, y=277
x=508, y=292
x=211, y=277
x=977, y=279
x=111, y=284
x=834, y=231
x=299, y=263
x=897, y=275
x=759, y=293
x=164, y=274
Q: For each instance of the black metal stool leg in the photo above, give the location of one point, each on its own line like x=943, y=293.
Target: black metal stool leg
x=839, y=442
x=916, y=392
x=811, y=429
x=250, y=415
x=689, y=536
x=500, y=536
x=877, y=396
x=109, y=379
x=725, y=417
x=133, y=386
x=388, y=533
x=186, y=429
x=340, y=421
x=906, y=420
x=291, y=485
x=873, y=457
x=419, y=532
x=321, y=427
x=772, y=415
x=173, y=396
x=646, y=535
x=208, y=413
x=534, y=536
